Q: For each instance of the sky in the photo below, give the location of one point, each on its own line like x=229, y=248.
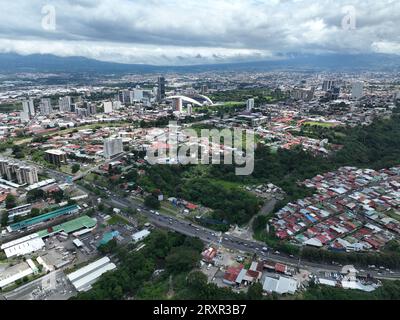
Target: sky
x=187, y=32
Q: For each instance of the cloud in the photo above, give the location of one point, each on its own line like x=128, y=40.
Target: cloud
x=193, y=32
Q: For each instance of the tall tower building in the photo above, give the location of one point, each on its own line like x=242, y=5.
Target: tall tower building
x=28, y=107
x=178, y=104
x=357, y=90
x=65, y=104
x=161, y=88
x=108, y=107
x=45, y=106
x=250, y=105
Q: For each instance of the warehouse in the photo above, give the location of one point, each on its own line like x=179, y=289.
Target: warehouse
x=43, y=218
x=141, y=235
x=83, y=278
x=17, y=272
x=23, y=246
x=69, y=227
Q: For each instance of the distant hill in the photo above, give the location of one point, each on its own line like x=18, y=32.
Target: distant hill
x=12, y=63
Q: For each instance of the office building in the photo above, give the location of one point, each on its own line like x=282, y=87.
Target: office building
x=250, y=105
x=161, y=88
x=113, y=147
x=357, y=90
x=56, y=157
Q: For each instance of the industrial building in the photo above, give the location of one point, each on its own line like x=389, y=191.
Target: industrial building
x=84, y=278
x=140, y=236
x=42, y=218
x=23, y=246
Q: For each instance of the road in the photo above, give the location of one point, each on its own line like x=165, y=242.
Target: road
x=228, y=241
x=231, y=242
x=54, y=282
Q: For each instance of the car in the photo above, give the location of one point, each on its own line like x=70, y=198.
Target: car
x=277, y=252
x=265, y=249
x=157, y=213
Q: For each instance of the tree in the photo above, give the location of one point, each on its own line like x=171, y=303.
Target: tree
x=35, y=212
x=4, y=219
x=34, y=195
x=182, y=259
x=152, y=202
x=255, y=292
x=75, y=168
x=11, y=201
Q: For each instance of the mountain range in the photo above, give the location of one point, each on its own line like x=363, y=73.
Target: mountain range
x=15, y=63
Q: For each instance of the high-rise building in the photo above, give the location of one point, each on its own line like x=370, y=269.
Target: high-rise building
x=178, y=104
x=328, y=85
x=357, y=90
x=24, y=116
x=45, y=106
x=250, y=105
x=19, y=172
x=204, y=89
x=116, y=105
x=65, y=104
x=161, y=88
x=27, y=175
x=302, y=94
x=108, y=107
x=90, y=107
x=28, y=107
x=56, y=157
x=113, y=147
x=137, y=94
x=189, y=109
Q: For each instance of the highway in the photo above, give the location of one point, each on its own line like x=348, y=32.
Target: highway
x=212, y=237
x=231, y=242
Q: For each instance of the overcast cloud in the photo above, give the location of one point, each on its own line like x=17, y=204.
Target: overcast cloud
x=172, y=32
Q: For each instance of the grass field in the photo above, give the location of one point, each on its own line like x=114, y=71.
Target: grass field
x=319, y=124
